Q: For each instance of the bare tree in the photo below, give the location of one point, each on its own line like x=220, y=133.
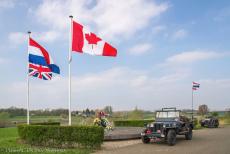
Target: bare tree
x=203, y=109
x=108, y=110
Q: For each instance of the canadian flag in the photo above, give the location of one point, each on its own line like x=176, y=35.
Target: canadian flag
x=84, y=41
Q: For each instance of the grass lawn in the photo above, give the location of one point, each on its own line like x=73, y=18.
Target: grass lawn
x=9, y=144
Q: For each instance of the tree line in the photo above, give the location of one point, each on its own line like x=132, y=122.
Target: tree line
x=14, y=111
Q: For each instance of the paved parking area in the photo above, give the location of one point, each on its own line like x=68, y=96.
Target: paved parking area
x=205, y=141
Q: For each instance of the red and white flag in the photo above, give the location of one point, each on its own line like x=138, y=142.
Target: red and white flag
x=195, y=86
x=84, y=41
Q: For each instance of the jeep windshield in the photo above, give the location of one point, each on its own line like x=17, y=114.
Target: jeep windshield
x=169, y=114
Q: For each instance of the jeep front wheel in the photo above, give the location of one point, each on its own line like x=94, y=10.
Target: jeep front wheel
x=145, y=139
x=217, y=124
x=171, y=137
x=188, y=136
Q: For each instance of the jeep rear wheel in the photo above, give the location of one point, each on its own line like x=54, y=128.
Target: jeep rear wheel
x=171, y=137
x=188, y=136
x=145, y=139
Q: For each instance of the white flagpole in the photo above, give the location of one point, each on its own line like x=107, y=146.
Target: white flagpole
x=70, y=59
x=28, y=82
x=192, y=104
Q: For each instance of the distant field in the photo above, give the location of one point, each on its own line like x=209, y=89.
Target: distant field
x=76, y=120
x=79, y=120
x=36, y=118
x=13, y=121
x=9, y=144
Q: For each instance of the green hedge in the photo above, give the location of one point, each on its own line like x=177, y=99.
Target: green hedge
x=131, y=123
x=62, y=136
x=46, y=123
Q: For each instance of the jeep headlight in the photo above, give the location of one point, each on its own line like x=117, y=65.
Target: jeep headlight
x=164, y=126
x=174, y=124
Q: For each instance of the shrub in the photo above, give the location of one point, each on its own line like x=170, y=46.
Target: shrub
x=132, y=123
x=215, y=114
x=62, y=136
x=46, y=123
x=195, y=121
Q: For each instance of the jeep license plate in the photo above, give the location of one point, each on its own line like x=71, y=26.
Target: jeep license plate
x=142, y=134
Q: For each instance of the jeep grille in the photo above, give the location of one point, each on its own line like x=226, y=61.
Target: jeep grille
x=157, y=126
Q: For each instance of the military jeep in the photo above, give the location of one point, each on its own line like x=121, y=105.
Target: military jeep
x=210, y=122
x=168, y=124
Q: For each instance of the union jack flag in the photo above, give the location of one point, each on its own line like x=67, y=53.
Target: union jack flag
x=40, y=71
x=41, y=64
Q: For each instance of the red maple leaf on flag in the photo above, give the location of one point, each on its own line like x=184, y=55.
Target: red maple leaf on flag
x=92, y=38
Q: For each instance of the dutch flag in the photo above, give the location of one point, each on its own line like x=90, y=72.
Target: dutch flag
x=41, y=64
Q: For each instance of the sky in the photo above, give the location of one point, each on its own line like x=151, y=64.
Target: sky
x=163, y=46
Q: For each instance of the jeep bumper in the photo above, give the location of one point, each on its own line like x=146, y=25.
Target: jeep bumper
x=153, y=135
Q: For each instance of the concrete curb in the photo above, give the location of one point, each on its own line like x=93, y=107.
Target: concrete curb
x=123, y=133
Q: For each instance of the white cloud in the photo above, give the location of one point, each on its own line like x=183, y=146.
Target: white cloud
x=17, y=38
x=158, y=29
x=7, y=4
x=2, y=60
x=217, y=82
x=213, y=92
x=119, y=18
x=179, y=34
x=48, y=36
x=121, y=88
x=140, y=49
x=193, y=56
x=54, y=14
x=114, y=18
